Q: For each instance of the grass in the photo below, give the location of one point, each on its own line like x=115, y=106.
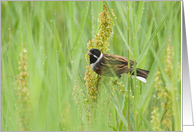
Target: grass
x=56, y=34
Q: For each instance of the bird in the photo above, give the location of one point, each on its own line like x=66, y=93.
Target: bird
x=114, y=65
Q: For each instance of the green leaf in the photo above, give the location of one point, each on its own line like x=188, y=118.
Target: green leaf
x=145, y=49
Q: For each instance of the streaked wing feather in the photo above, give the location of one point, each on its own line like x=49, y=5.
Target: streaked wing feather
x=112, y=65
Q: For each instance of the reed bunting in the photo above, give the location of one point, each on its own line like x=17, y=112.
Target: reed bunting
x=114, y=65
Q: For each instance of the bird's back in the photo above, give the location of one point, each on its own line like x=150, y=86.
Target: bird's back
x=112, y=65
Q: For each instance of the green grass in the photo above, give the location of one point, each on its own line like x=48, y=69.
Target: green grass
x=56, y=36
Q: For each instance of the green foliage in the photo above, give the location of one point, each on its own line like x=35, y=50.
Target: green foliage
x=56, y=34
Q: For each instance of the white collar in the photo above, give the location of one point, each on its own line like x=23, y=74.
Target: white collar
x=94, y=64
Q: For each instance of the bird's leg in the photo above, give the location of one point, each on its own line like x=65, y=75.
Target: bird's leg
x=117, y=79
x=98, y=79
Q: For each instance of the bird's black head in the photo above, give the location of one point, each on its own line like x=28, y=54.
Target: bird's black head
x=94, y=55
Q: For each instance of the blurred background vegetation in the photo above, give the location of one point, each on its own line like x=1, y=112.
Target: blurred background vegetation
x=43, y=63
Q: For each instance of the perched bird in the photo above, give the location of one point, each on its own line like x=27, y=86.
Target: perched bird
x=114, y=65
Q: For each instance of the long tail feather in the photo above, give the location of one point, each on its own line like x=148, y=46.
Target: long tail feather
x=140, y=74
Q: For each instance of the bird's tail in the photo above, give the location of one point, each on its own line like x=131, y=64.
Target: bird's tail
x=140, y=74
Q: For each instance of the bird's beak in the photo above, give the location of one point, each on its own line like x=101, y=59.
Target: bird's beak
x=90, y=53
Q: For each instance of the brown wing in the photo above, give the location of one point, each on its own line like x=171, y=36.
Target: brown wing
x=112, y=65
